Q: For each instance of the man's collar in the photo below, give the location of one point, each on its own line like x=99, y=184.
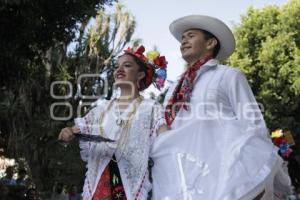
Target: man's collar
x=207, y=66
x=210, y=63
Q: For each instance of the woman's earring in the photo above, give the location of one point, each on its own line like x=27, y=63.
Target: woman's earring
x=138, y=85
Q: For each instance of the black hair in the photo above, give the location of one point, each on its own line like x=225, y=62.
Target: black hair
x=207, y=36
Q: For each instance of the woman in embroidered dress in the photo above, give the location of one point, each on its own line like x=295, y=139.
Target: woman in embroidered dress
x=119, y=170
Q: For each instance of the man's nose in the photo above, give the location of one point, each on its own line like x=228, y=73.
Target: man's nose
x=183, y=41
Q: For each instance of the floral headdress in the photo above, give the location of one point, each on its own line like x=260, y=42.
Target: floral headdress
x=279, y=139
x=156, y=66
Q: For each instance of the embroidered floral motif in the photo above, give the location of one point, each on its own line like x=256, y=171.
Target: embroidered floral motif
x=182, y=93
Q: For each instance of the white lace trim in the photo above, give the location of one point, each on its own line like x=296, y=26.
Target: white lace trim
x=134, y=161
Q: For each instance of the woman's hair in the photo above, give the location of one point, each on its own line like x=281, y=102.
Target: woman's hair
x=142, y=68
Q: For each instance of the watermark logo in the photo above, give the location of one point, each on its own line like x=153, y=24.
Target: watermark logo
x=205, y=110
x=62, y=100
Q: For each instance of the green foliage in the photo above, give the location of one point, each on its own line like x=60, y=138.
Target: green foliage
x=106, y=40
x=34, y=36
x=268, y=53
x=30, y=27
x=32, y=59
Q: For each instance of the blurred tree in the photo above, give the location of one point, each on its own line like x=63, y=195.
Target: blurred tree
x=105, y=40
x=29, y=28
x=268, y=53
x=34, y=36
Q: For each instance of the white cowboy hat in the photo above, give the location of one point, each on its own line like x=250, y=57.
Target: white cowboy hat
x=215, y=26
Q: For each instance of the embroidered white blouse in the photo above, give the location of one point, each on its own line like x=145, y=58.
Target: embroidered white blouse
x=132, y=157
x=219, y=149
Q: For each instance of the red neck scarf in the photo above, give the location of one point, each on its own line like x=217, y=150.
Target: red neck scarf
x=182, y=93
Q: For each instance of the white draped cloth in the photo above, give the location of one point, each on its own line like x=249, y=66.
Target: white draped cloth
x=217, y=160
x=219, y=149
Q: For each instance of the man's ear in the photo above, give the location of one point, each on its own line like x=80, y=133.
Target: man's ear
x=211, y=43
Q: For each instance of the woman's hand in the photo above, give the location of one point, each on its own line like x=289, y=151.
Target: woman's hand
x=67, y=134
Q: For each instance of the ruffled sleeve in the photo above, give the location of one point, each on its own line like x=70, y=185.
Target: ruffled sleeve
x=252, y=165
x=242, y=99
x=85, y=126
x=85, y=123
x=158, y=120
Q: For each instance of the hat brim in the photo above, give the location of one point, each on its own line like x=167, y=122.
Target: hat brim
x=216, y=27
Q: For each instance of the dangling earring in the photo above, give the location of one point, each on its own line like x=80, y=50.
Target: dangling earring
x=138, y=85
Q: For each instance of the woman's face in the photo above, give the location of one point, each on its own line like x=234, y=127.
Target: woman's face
x=127, y=72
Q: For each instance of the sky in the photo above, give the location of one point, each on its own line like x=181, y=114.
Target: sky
x=154, y=17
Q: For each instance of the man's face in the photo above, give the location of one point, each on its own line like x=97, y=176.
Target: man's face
x=194, y=45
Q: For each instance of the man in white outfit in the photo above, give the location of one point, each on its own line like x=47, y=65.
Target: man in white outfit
x=218, y=146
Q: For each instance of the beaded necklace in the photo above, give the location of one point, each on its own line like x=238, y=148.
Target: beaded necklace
x=124, y=124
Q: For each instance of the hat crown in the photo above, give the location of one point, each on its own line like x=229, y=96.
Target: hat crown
x=213, y=25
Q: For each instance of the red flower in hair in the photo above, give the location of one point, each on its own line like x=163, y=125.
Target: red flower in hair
x=156, y=66
x=138, y=53
x=161, y=62
x=278, y=141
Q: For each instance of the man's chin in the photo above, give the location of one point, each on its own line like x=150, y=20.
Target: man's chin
x=187, y=58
